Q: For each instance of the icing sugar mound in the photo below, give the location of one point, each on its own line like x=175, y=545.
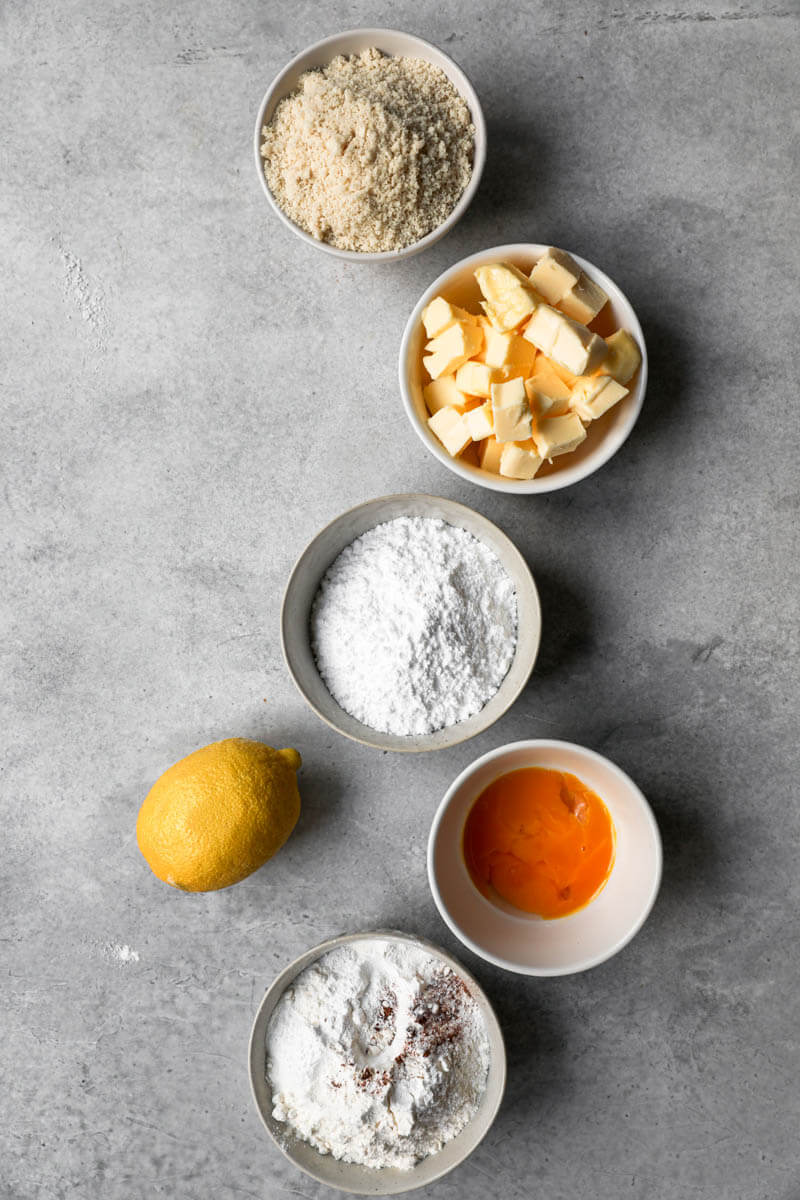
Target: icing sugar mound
x=414, y=626
x=377, y=1054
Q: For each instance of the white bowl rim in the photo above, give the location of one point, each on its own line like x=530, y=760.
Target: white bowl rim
x=467, y=93
x=625, y=779
x=567, y=475
x=293, y=969
x=375, y=741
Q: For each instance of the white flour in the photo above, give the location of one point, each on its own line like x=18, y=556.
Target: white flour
x=414, y=626
x=377, y=1054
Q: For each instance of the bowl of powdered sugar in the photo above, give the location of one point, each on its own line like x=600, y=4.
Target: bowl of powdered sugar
x=377, y=1063
x=410, y=623
x=370, y=144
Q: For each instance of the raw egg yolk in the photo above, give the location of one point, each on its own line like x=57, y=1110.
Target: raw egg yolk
x=541, y=839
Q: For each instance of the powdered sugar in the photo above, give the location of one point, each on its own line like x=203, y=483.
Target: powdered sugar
x=414, y=626
x=377, y=1054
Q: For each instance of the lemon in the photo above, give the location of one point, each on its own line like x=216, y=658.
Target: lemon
x=219, y=814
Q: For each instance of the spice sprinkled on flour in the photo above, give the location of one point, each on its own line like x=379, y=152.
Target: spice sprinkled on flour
x=371, y=152
x=377, y=1054
x=414, y=626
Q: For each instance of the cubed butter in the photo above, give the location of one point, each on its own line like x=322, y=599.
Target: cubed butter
x=509, y=350
x=508, y=295
x=450, y=427
x=547, y=394
x=480, y=422
x=452, y=348
x=563, y=374
x=624, y=357
x=558, y=435
x=594, y=395
x=511, y=411
x=476, y=378
x=443, y=393
x=565, y=341
x=554, y=274
x=490, y=452
x=486, y=326
x=584, y=300
x=440, y=313
x=577, y=349
x=542, y=329
x=520, y=460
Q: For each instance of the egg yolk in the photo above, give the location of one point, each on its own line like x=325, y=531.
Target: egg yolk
x=541, y=839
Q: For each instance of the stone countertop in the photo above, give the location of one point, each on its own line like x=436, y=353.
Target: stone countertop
x=189, y=394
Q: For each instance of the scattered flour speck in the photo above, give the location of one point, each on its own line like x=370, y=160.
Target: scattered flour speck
x=122, y=954
x=86, y=296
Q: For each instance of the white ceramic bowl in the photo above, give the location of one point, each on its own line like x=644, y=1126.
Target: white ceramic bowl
x=604, y=436
x=350, y=1177
x=522, y=942
x=304, y=582
x=393, y=42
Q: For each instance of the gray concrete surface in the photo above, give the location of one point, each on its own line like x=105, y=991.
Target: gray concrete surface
x=189, y=394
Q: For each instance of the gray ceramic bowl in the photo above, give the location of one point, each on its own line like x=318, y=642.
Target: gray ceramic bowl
x=390, y=41
x=305, y=580
x=351, y=1177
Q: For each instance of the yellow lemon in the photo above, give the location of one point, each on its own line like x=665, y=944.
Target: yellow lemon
x=219, y=814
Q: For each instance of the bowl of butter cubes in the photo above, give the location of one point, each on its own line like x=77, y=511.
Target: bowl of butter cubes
x=523, y=368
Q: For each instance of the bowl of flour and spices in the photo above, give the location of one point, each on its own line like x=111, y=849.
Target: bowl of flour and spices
x=370, y=144
x=376, y=1063
x=410, y=623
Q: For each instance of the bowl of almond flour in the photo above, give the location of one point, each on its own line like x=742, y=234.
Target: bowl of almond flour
x=410, y=623
x=370, y=144
x=377, y=1063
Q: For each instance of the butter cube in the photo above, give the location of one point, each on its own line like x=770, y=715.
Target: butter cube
x=563, y=374
x=594, y=395
x=511, y=411
x=449, y=350
x=476, y=378
x=554, y=274
x=443, y=393
x=623, y=357
x=543, y=328
x=509, y=350
x=450, y=427
x=508, y=295
x=440, y=313
x=547, y=394
x=520, y=460
x=565, y=341
x=480, y=422
x=486, y=326
x=584, y=300
x=577, y=349
x=490, y=452
x=558, y=435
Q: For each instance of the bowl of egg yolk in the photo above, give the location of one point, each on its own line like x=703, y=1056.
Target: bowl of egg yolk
x=544, y=858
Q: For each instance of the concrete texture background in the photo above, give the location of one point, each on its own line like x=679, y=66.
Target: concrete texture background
x=189, y=394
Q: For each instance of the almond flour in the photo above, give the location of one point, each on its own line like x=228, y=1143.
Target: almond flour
x=371, y=152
